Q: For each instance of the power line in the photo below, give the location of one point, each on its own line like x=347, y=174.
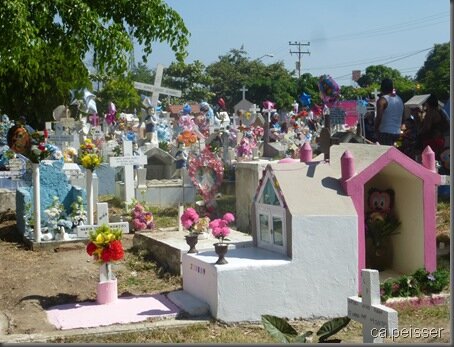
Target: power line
x=392, y=61
x=385, y=30
x=370, y=60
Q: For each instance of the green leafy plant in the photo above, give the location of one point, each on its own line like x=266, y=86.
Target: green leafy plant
x=164, y=146
x=380, y=227
x=283, y=332
x=421, y=282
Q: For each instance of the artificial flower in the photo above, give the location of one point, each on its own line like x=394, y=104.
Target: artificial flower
x=219, y=227
x=105, y=244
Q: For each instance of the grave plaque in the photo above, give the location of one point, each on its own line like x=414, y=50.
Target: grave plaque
x=83, y=230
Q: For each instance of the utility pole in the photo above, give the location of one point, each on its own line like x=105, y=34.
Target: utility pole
x=300, y=53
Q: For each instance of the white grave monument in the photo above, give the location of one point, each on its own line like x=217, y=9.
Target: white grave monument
x=304, y=263
x=369, y=311
x=128, y=160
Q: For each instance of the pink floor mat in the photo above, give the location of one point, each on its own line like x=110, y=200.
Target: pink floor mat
x=128, y=309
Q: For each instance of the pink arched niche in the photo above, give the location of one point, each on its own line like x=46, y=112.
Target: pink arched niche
x=355, y=185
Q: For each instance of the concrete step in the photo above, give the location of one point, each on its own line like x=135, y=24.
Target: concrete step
x=189, y=303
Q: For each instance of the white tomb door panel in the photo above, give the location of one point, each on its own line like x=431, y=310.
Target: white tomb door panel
x=271, y=228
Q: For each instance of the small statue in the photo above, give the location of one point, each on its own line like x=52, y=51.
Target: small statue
x=181, y=161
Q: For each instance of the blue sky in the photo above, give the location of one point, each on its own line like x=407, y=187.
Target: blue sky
x=344, y=35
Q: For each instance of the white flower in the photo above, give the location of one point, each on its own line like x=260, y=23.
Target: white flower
x=58, y=155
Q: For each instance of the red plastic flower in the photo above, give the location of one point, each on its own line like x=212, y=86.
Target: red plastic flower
x=106, y=255
x=116, y=250
x=91, y=248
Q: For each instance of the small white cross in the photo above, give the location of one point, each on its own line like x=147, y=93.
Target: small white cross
x=244, y=90
x=254, y=109
x=368, y=310
x=268, y=111
x=375, y=94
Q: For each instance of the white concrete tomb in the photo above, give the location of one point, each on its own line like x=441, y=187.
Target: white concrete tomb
x=304, y=261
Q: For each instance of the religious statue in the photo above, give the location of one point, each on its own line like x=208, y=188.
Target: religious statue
x=151, y=121
x=181, y=161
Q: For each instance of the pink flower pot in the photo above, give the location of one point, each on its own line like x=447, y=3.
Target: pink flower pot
x=107, y=292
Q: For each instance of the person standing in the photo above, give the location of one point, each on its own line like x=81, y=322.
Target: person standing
x=390, y=109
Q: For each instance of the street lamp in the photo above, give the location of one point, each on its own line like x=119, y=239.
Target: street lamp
x=265, y=55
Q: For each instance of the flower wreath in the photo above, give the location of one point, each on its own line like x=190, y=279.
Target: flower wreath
x=199, y=167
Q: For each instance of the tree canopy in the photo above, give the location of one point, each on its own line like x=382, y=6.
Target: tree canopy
x=434, y=74
x=44, y=44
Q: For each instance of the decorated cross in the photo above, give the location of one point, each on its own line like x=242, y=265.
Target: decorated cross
x=156, y=88
x=128, y=160
x=374, y=317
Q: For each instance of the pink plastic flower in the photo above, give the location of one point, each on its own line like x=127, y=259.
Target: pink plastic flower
x=138, y=224
x=189, y=217
x=229, y=217
x=219, y=228
x=139, y=208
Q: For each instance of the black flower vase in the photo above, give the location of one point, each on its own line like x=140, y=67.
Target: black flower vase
x=191, y=240
x=221, y=249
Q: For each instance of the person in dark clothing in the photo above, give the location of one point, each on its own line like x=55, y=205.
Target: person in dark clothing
x=434, y=127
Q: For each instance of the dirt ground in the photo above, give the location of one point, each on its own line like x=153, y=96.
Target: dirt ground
x=31, y=281
x=34, y=280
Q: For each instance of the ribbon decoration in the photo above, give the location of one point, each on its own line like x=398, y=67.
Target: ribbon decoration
x=111, y=113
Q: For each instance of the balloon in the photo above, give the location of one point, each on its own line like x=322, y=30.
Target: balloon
x=111, y=113
x=221, y=103
x=187, y=109
x=269, y=104
x=111, y=107
x=305, y=99
x=329, y=89
x=88, y=96
x=91, y=107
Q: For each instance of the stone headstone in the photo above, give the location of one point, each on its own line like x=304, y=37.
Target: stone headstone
x=369, y=311
x=102, y=213
x=106, y=175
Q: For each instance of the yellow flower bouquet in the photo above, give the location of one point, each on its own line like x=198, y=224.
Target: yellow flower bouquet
x=89, y=155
